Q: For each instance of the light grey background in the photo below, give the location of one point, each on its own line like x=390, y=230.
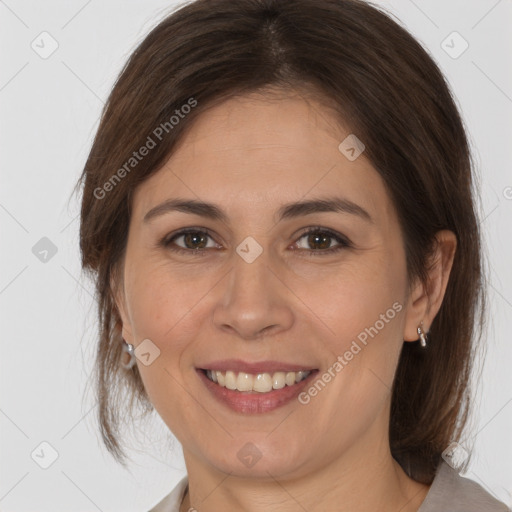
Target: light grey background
x=49, y=113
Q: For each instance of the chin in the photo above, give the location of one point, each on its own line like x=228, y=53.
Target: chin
x=259, y=458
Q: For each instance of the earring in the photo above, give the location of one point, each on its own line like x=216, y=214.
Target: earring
x=422, y=335
x=129, y=349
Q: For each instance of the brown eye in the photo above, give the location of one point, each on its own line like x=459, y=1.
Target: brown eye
x=189, y=241
x=319, y=240
x=195, y=240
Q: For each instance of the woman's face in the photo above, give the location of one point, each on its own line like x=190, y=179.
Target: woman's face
x=255, y=288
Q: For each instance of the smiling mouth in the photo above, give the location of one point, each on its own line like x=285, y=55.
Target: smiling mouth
x=260, y=383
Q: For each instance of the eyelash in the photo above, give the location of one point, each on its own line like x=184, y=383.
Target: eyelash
x=343, y=242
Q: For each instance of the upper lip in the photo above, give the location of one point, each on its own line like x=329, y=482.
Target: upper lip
x=237, y=365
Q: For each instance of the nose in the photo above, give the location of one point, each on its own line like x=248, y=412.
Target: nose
x=253, y=301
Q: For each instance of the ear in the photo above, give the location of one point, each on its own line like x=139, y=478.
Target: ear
x=425, y=300
x=117, y=292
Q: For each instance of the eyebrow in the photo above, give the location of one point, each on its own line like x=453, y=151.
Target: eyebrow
x=287, y=211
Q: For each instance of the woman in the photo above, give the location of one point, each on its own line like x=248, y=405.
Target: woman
x=278, y=213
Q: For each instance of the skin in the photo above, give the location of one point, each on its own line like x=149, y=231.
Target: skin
x=249, y=156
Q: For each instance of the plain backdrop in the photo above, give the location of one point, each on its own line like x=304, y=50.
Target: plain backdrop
x=50, y=105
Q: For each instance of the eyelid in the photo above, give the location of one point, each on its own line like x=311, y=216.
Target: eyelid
x=316, y=228
x=167, y=239
x=343, y=241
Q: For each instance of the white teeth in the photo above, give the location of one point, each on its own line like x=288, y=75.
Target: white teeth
x=221, y=380
x=300, y=376
x=278, y=380
x=262, y=382
x=230, y=380
x=244, y=382
x=290, y=378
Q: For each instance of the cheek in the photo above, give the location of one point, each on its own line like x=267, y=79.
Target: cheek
x=160, y=299
x=354, y=297
x=363, y=308
x=161, y=305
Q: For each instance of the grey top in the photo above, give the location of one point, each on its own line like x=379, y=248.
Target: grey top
x=449, y=492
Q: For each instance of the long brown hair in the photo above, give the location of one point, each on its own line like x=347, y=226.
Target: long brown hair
x=383, y=85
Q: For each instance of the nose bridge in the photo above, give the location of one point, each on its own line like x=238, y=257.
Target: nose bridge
x=252, y=299
x=250, y=278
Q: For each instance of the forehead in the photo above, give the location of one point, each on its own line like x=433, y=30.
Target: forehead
x=259, y=150
x=289, y=122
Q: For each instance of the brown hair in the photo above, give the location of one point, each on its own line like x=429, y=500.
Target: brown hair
x=387, y=89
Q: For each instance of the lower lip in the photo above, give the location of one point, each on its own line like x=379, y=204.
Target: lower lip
x=253, y=402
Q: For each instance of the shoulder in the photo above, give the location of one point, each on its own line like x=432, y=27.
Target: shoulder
x=450, y=492
x=172, y=502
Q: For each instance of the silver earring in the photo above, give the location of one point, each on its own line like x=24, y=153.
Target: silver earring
x=129, y=349
x=422, y=335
